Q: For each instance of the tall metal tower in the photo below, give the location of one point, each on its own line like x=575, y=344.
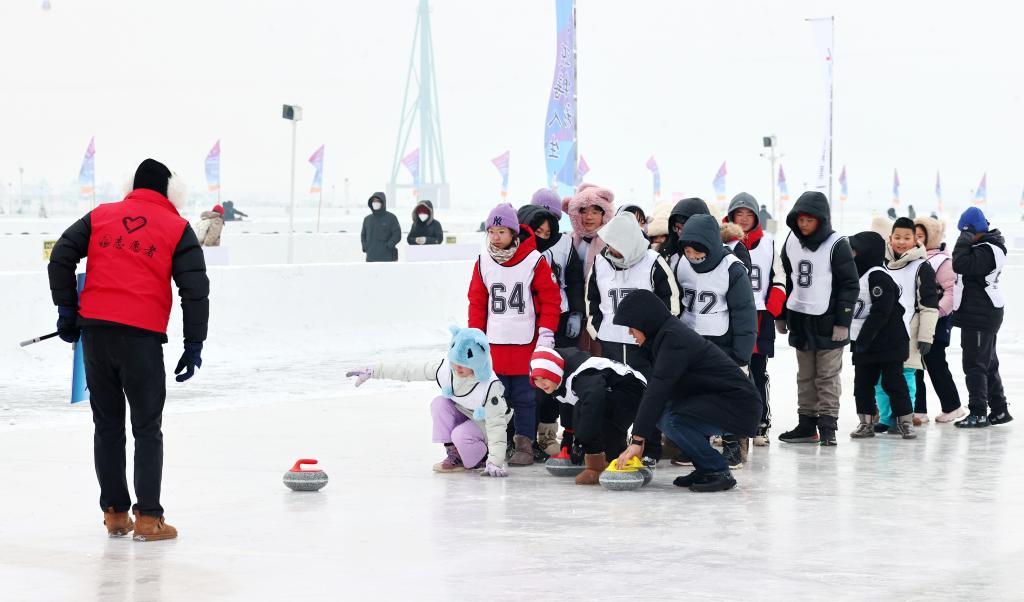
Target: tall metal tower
x=420, y=106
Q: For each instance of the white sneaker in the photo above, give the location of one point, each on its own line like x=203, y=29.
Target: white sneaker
x=920, y=418
x=956, y=414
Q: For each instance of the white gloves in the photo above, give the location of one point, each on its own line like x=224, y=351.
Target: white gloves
x=546, y=338
x=493, y=470
x=362, y=375
x=421, y=240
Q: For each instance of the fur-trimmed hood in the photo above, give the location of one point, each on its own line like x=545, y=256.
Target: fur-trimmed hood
x=730, y=232
x=934, y=230
x=882, y=225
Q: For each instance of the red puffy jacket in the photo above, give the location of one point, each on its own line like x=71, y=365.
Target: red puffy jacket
x=514, y=360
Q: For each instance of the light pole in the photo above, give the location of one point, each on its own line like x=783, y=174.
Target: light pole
x=292, y=113
x=771, y=143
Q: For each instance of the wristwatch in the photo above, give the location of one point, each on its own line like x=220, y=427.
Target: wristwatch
x=635, y=441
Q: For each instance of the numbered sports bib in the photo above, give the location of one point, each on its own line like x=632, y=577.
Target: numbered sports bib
x=558, y=259
x=761, y=258
x=614, y=285
x=812, y=275
x=511, y=317
x=863, y=305
x=991, y=281
x=702, y=296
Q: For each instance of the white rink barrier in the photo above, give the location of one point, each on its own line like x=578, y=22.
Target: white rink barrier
x=266, y=310
x=25, y=251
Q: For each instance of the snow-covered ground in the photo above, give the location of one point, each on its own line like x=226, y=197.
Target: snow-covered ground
x=935, y=518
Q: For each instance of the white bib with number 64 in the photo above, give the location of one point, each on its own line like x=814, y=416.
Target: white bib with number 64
x=511, y=317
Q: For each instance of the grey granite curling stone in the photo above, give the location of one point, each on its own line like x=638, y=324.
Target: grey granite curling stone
x=648, y=475
x=562, y=466
x=621, y=481
x=297, y=479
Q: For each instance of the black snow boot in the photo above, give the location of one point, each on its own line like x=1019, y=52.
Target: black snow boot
x=805, y=432
x=731, y=451
x=714, y=481
x=827, y=431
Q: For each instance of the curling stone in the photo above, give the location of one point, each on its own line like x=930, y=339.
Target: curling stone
x=297, y=479
x=625, y=479
x=562, y=466
x=647, y=473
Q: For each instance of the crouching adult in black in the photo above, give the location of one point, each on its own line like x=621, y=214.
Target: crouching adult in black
x=599, y=398
x=135, y=247
x=695, y=391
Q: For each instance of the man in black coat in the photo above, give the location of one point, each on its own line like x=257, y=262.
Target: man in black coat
x=695, y=391
x=135, y=247
x=381, y=231
x=425, y=229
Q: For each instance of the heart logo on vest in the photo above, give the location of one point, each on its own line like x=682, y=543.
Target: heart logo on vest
x=131, y=224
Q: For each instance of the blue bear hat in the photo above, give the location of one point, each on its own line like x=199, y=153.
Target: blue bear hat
x=469, y=348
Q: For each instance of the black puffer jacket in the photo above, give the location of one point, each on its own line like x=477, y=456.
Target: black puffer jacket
x=738, y=340
x=381, y=232
x=807, y=332
x=883, y=337
x=973, y=260
x=692, y=375
x=430, y=229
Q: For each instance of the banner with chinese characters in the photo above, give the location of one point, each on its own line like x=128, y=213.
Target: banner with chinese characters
x=560, y=150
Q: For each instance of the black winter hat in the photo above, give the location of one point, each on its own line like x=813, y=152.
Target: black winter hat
x=152, y=175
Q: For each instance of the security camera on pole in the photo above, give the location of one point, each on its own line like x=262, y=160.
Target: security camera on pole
x=294, y=114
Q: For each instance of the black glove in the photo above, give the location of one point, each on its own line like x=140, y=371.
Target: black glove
x=67, y=324
x=190, y=361
x=573, y=325
x=924, y=348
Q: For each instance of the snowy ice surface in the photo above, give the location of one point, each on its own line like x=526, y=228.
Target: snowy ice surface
x=936, y=518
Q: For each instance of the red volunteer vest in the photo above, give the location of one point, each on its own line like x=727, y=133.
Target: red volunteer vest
x=128, y=275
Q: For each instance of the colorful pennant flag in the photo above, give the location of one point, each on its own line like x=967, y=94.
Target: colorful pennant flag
x=719, y=183
x=317, y=160
x=981, y=194
x=501, y=162
x=656, y=173
x=87, y=173
x=213, y=168
x=583, y=169
x=895, y=188
x=783, y=188
x=842, y=185
x=412, y=163
x=938, y=191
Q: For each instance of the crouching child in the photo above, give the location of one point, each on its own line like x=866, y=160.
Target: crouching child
x=470, y=415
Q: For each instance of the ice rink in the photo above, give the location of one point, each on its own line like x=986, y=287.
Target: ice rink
x=933, y=519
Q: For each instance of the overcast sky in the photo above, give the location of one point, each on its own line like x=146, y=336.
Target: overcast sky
x=920, y=86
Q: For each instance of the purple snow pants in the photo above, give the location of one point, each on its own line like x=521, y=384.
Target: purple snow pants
x=452, y=426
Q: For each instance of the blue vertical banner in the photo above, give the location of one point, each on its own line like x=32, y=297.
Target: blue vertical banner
x=317, y=161
x=79, y=386
x=656, y=174
x=895, y=188
x=560, y=149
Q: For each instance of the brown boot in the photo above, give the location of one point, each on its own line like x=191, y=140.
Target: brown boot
x=744, y=449
x=595, y=465
x=152, y=528
x=118, y=524
x=523, y=456
x=547, y=438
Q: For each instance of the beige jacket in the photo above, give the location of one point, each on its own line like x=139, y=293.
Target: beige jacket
x=208, y=231
x=922, y=325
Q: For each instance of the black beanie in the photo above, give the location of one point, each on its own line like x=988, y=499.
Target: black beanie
x=152, y=175
x=904, y=222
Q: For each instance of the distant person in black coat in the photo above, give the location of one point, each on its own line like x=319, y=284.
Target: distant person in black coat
x=231, y=214
x=381, y=232
x=425, y=229
x=695, y=391
x=763, y=216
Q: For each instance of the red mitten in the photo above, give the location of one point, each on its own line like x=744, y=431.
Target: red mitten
x=776, y=301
